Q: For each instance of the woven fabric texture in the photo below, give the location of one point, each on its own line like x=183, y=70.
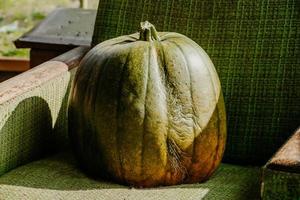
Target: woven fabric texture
x=255, y=46
x=58, y=177
x=34, y=123
x=278, y=185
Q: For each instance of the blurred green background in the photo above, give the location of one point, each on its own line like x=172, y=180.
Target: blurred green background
x=19, y=16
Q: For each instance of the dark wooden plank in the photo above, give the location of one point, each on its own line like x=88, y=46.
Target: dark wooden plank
x=63, y=27
x=9, y=64
x=38, y=56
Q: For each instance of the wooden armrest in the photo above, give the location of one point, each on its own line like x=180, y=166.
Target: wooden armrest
x=288, y=157
x=32, y=78
x=72, y=57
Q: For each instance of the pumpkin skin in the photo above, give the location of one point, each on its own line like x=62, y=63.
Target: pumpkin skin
x=147, y=110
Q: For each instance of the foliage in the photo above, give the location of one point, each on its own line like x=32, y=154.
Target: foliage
x=27, y=13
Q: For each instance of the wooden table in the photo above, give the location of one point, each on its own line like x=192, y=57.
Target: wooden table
x=10, y=67
x=62, y=30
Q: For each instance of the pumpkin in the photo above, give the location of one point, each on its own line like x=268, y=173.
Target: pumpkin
x=147, y=109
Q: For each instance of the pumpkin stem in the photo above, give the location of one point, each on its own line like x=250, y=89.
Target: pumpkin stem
x=148, y=32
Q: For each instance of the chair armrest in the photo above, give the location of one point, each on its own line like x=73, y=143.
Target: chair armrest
x=33, y=118
x=288, y=157
x=281, y=174
x=72, y=57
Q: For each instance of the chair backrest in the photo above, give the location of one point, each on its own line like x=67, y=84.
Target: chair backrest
x=255, y=46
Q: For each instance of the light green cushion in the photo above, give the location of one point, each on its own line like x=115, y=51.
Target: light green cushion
x=280, y=185
x=58, y=177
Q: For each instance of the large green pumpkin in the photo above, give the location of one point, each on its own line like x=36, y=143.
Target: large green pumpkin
x=147, y=110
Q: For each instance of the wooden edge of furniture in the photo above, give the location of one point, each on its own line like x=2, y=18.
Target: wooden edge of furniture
x=36, y=76
x=287, y=157
x=72, y=57
x=8, y=64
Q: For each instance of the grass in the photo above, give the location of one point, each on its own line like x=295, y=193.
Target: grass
x=27, y=13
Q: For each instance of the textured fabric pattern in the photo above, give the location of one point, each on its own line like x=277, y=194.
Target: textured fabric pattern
x=33, y=123
x=255, y=48
x=278, y=185
x=58, y=177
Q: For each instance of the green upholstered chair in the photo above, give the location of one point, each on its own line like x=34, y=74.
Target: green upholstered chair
x=255, y=46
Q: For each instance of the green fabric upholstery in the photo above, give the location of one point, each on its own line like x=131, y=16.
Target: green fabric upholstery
x=279, y=185
x=34, y=122
x=255, y=48
x=58, y=177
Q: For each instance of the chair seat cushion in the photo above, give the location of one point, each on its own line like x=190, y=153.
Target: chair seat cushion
x=58, y=177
